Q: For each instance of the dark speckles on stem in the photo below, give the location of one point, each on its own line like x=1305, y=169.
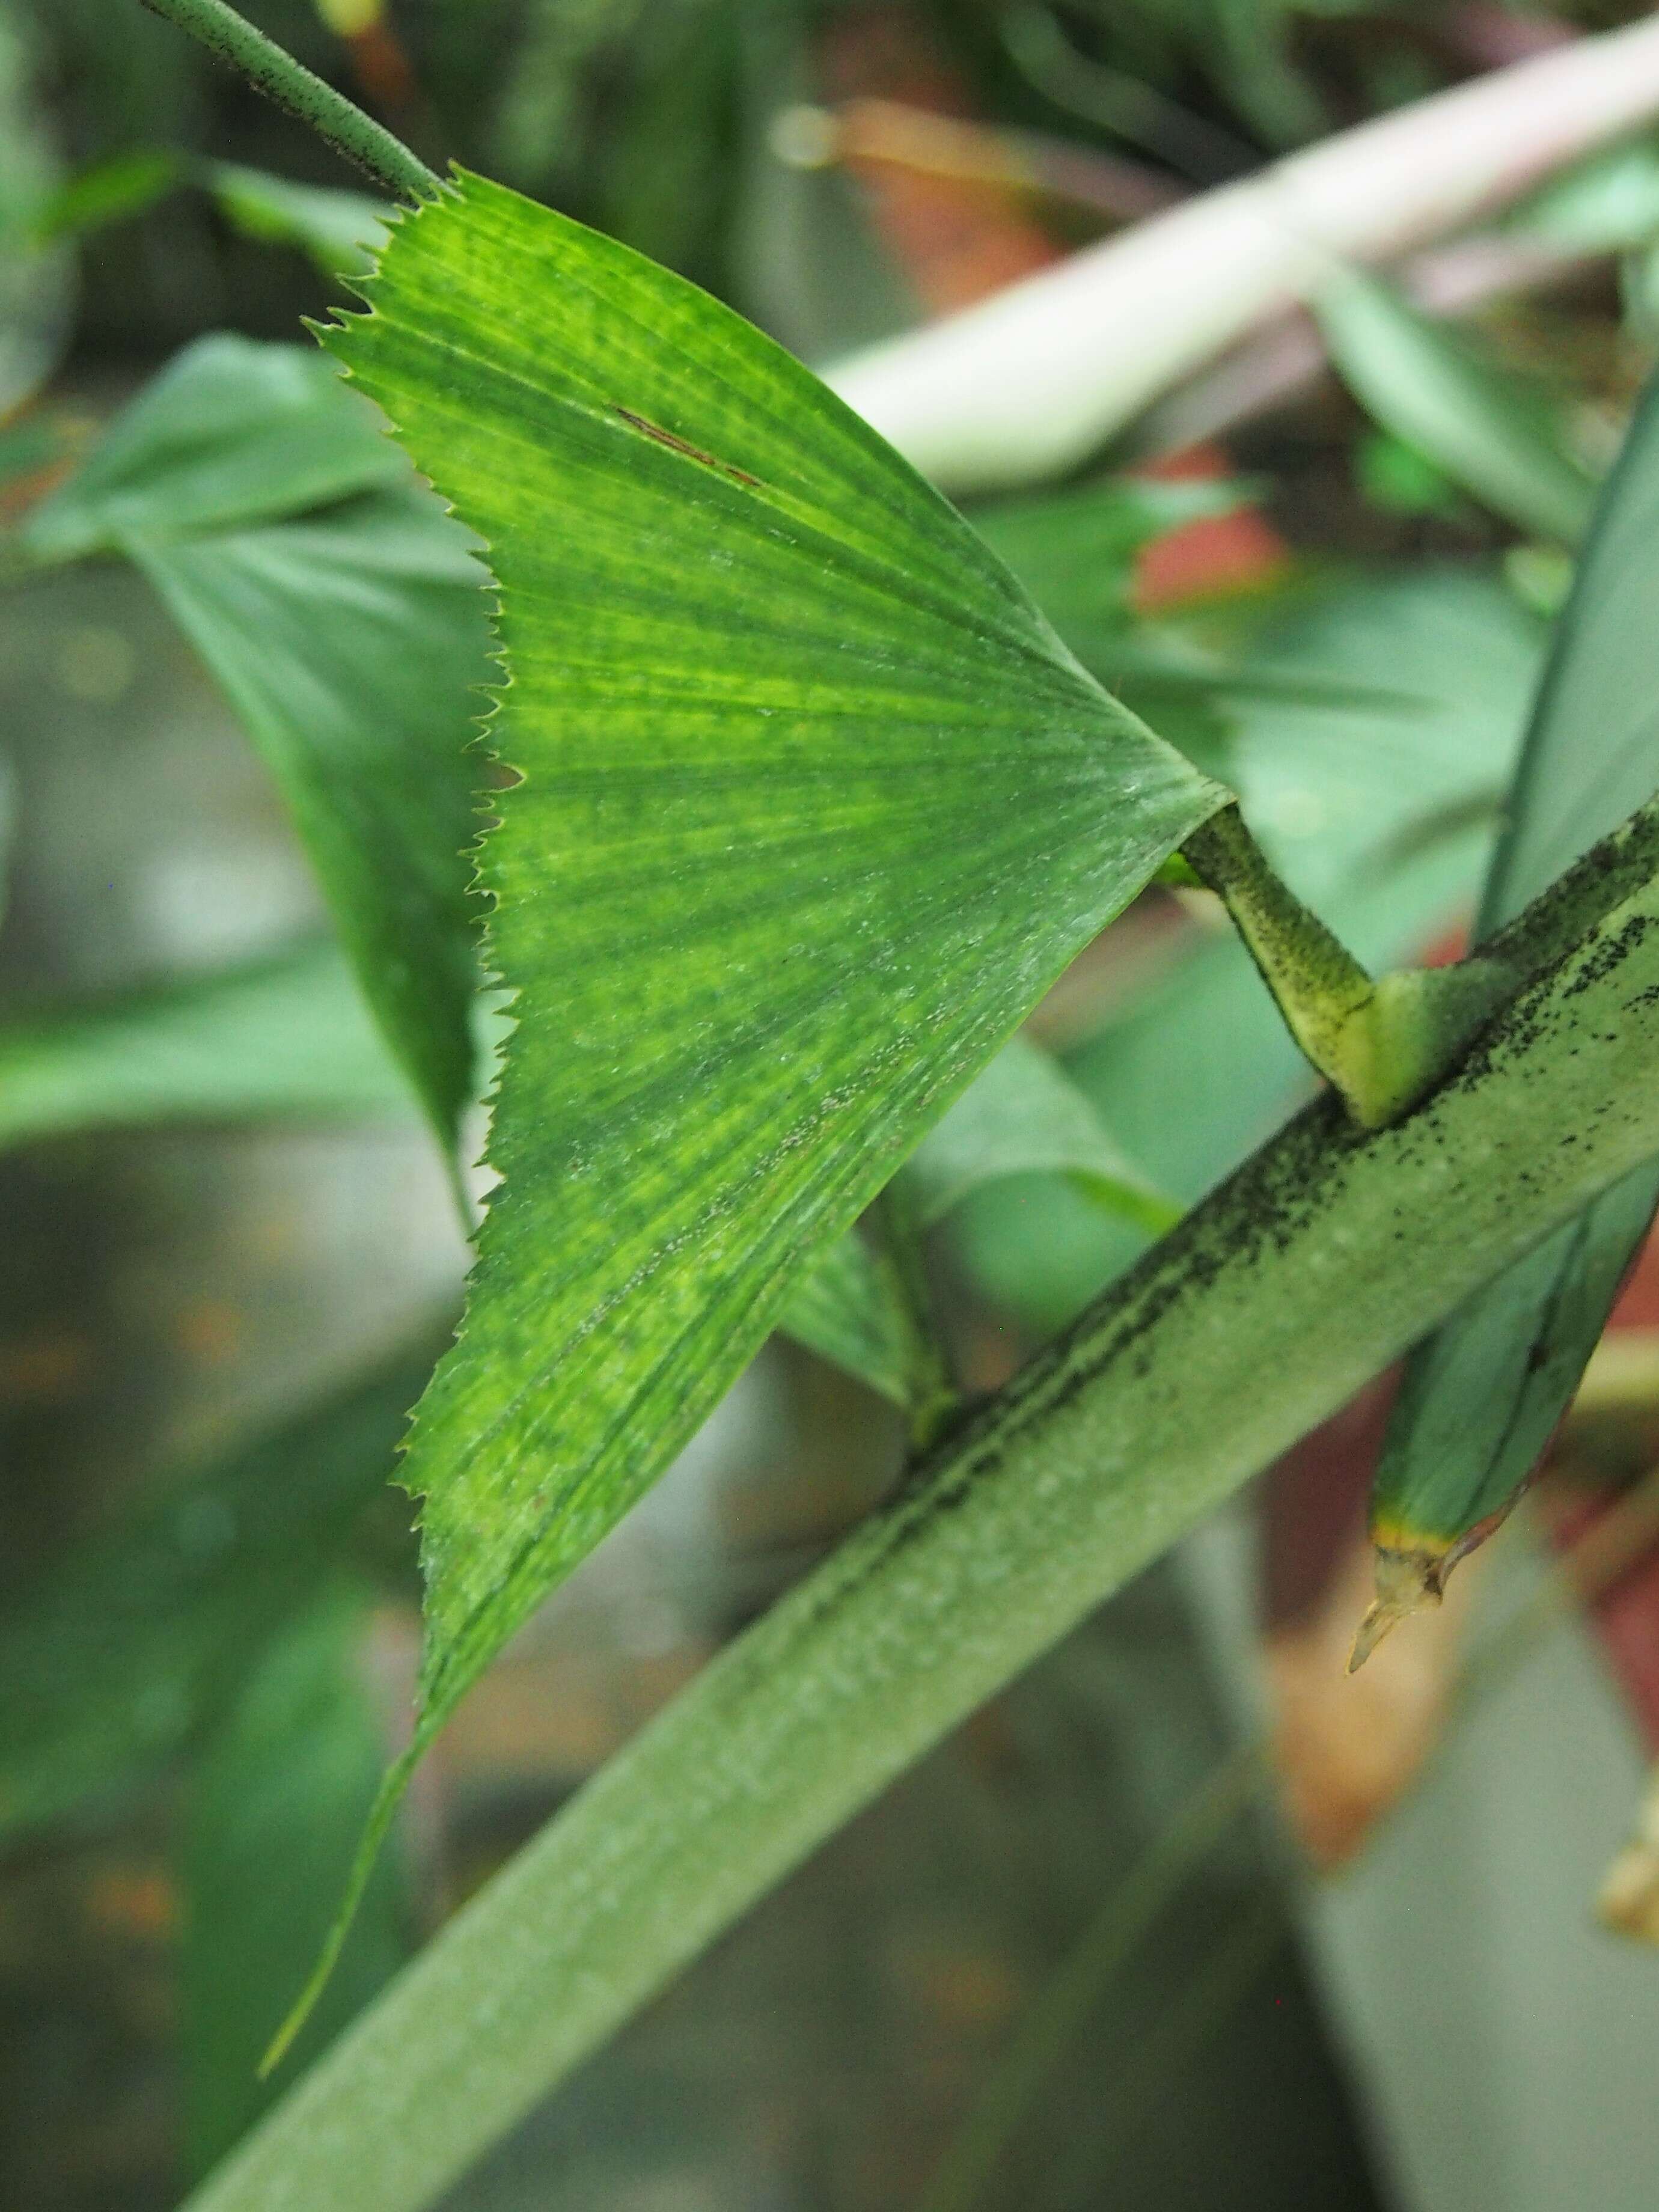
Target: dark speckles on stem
x=1608, y=955
x=1267, y=1207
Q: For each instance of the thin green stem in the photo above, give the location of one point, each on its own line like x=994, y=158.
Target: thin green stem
x=1384, y=1044
x=301, y=94
x=1178, y=2036
x=1061, y=2008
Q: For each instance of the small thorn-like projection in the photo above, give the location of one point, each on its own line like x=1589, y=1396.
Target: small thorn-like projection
x=1406, y=1582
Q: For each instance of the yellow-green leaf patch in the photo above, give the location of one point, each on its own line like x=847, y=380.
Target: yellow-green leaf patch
x=812, y=805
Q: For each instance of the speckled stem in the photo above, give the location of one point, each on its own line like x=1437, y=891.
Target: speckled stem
x=301, y=94
x=1317, y=984
x=1384, y=1044
x=1308, y=1271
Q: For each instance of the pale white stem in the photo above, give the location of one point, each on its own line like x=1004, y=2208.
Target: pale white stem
x=1030, y=382
x=1283, y=358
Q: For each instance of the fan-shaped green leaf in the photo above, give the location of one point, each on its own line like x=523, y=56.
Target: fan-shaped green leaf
x=1021, y=1116
x=813, y=806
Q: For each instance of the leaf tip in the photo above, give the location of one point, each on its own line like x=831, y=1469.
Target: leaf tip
x=1407, y=1581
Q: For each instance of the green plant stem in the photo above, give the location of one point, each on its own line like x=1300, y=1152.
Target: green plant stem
x=301, y=94
x=1061, y=2008
x=1384, y=1044
x=1267, y=1308
x=1177, y=2037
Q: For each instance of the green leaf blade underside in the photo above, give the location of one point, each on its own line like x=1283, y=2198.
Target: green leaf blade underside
x=230, y=432
x=1490, y=433
x=1024, y=1115
x=346, y=616
x=123, y=1649
x=1021, y=1116
x=271, y=1818
x=1482, y=1396
x=844, y=1307
x=287, y=1037
x=340, y=230
x=349, y=643
x=814, y=806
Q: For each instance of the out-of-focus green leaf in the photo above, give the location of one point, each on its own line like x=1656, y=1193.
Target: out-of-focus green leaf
x=1402, y=478
x=109, y=191
x=1198, y=1067
x=1129, y=104
x=8, y=827
x=538, y=128
x=271, y=1819
x=662, y=168
x=1497, y=437
x=1245, y=47
x=1024, y=1115
x=285, y=1036
x=1606, y=205
x=814, y=806
x=350, y=641
x=230, y=433
x=116, y=1658
x=808, y=263
x=1074, y=550
x=37, y=277
x=339, y=230
x=35, y=442
x=1482, y=1395
x=842, y=1306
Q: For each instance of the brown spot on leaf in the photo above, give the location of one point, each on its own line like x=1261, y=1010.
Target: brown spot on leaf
x=676, y=445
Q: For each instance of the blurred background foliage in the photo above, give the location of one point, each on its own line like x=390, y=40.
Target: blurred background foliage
x=1096, y=1949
